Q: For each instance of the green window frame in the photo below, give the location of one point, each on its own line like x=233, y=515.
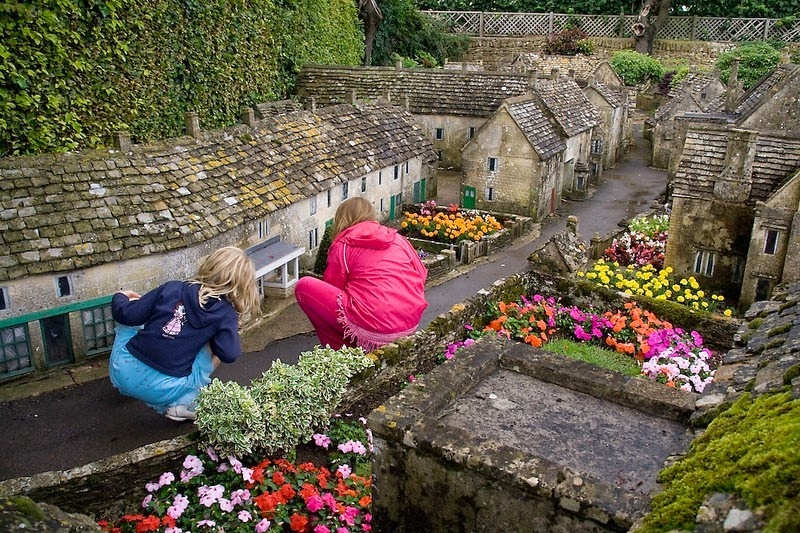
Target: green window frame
x=15, y=351
x=97, y=325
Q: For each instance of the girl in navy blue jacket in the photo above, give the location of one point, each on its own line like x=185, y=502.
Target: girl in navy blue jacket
x=169, y=341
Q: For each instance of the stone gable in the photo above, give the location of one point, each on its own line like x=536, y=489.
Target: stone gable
x=613, y=95
x=569, y=105
x=73, y=211
x=543, y=134
x=783, y=77
x=427, y=91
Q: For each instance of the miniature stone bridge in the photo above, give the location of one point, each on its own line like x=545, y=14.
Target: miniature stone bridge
x=506, y=437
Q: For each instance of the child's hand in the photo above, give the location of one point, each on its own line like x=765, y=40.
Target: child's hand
x=132, y=295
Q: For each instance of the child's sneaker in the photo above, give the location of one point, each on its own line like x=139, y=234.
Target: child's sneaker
x=180, y=413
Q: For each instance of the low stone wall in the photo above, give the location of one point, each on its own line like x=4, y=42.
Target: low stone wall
x=457, y=450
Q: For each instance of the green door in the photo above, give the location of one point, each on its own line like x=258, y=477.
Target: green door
x=417, y=196
x=391, y=208
x=468, y=198
x=423, y=195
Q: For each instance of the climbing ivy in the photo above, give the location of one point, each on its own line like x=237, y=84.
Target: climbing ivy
x=74, y=71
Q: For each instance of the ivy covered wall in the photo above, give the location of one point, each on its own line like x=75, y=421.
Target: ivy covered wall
x=73, y=71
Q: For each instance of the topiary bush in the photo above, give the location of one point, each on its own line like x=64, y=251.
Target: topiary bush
x=755, y=60
x=280, y=409
x=635, y=68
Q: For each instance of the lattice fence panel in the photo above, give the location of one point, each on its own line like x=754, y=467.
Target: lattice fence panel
x=515, y=23
x=677, y=29
x=785, y=32
x=459, y=21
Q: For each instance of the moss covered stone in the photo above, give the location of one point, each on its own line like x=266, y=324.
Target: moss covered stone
x=755, y=323
x=751, y=451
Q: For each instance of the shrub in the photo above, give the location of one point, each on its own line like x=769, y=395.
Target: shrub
x=569, y=42
x=635, y=68
x=280, y=409
x=321, y=261
x=755, y=60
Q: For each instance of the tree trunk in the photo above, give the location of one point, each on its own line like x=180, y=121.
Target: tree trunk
x=651, y=19
x=370, y=14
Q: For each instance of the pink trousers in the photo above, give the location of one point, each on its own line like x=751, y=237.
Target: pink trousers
x=319, y=301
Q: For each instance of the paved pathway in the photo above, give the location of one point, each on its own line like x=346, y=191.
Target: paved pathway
x=79, y=424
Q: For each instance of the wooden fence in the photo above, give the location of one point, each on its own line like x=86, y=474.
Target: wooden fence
x=716, y=29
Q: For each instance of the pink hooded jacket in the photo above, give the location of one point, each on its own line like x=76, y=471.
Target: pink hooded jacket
x=382, y=280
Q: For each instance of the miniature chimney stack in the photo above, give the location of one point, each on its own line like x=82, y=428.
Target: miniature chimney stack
x=554, y=73
x=734, y=89
x=571, y=73
x=122, y=140
x=192, y=124
x=248, y=117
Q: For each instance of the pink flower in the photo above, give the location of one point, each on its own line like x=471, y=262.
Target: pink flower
x=212, y=454
x=412, y=379
x=166, y=478
x=321, y=529
x=247, y=474
x=345, y=471
x=329, y=500
x=207, y=523
x=321, y=440
x=342, y=530
x=225, y=505
x=147, y=500
x=315, y=503
x=245, y=516
x=240, y=496
x=263, y=526
x=349, y=515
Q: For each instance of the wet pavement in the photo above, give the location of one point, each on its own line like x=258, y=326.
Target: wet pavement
x=82, y=418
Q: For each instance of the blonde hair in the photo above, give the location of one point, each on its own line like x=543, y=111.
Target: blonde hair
x=352, y=212
x=229, y=273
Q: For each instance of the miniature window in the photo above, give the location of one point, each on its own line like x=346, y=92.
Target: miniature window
x=98, y=329
x=396, y=171
x=380, y=177
x=439, y=134
x=4, y=304
x=330, y=199
x=597, y=146
x=364, y=184
x=771, y=241
x=579, y=184
x=704, y=263
x=263, y=229
x=439, y=155
x=406, y=167
x=493, y=164
x=470, y=132
x=490, y=193
x=345, y=190
x=64, y=286
x=383, y=208
x=313, y=239
x=737, y=269
x=15, y=350
x=312, y=205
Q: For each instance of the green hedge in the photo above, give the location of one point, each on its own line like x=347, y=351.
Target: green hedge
x=73, y=71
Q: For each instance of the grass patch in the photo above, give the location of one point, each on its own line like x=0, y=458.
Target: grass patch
x=595, y=355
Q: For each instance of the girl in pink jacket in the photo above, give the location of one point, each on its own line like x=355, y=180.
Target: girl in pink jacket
x=373, y=289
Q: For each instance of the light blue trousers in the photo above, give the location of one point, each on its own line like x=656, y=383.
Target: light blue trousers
x=158, y=390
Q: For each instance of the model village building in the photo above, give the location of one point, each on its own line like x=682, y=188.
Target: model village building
x=454, y=106
x=735, y=218
x=76, y=228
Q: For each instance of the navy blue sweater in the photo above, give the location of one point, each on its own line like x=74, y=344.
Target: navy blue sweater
x=176, y=327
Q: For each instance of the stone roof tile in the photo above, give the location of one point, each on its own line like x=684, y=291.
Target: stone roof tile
x=540, y=130
x=569, y=105
x=60, y=213
x=765, y=88
x=428, y=91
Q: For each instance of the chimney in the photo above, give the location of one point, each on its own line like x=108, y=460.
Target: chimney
x=734, y=89
x=735, y=182
x=554, y=73
x=353, y=96
x=122, y=140
x=572, y=73
x=313, y=103
x=591, y=80
x=248, y=117
x=398, y=65
x=192, y=124
x=406, y=102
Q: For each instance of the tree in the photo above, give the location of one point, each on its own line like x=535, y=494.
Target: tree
x=370, y=14
x=651, y=19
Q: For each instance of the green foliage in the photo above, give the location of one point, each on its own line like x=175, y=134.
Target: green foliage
x=755, y=60
x=750, y=451
x=280, y=409
x=635, y=68
x=650, y=225
x=595, y=355
x=343, y=431
x=321, y=261
x=74, y=71
x=569, y=42
x=408, y=33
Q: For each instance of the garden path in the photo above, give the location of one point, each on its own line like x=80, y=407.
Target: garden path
x=56, y=427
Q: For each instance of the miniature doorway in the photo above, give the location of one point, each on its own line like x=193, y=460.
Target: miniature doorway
x=57, y=340
x=468, y=198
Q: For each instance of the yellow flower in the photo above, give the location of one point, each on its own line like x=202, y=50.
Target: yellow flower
x=701, y=294
x=681, y=299
x=727, y=312
x=581, y=274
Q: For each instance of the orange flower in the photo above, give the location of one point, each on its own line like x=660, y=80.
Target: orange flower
x=533, y=340
x=298, y=522
x=278, y=478
x=151, y=523
x=308, y=490
x=365, y=501
x=287, y=491
x=266, y=503
x=542, y=325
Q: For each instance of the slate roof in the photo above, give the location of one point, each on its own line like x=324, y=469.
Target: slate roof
x=569, y=105
x=528, y=111
x=613, y=95
x=765, y=88
x=429, y=91
x=694, y=83
x=67, y=212
x=703, y=159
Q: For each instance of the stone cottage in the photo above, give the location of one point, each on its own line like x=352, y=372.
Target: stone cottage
x=697, y=92
x=515, y=162
x=734, y=214
x=450, y=105
x=610, y=139
x=75, y=228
